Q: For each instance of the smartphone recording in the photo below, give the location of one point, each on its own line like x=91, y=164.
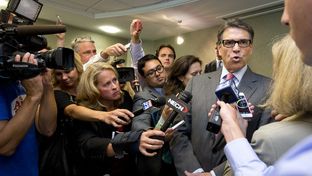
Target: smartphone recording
x=242, y=106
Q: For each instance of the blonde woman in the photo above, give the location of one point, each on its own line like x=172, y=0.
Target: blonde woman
x=56, y=157
x=56, y=151
x=98, y=142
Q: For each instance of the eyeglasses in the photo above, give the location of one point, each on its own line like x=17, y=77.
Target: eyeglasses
x=152, y=72
x=241, y=43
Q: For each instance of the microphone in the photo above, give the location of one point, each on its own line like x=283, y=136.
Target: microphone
x=136, y=87
x=228, y=93
x=179, y=106
x=156, y=102
x=27, y=30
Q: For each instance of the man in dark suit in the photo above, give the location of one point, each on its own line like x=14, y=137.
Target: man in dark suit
x=215, y=64
x=196, y=150
x=149, y=161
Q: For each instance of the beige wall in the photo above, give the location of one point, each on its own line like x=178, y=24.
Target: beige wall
x=200, y=43
x=101, y=40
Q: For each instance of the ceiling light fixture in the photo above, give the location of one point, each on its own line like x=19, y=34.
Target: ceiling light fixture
x=180, y=39
x=110, y=29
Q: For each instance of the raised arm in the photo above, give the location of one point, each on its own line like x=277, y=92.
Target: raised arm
x=136, y=49
x=116, y=50
x=116, y=118
x=46, y=117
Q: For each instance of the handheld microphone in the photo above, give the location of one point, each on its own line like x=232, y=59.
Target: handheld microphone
x=27, y=30
x=228, y=93
x=156, y=102
x=136, y=87
x=179, y=106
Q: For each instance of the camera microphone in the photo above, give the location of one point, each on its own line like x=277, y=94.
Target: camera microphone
x=156, y=102
x=27, y=30
x=228, y=93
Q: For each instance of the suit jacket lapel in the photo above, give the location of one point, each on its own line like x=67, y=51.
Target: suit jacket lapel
x=214, y=80
x=214, y=77
x=248, y=84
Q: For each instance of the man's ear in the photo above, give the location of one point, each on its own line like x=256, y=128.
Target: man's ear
x=251, y=48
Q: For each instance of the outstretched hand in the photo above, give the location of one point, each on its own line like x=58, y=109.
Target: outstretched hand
x=117, y=117
x=231, y=122
x=136, y=28
x=60, y=37
x=117, y=50
x=147, y=143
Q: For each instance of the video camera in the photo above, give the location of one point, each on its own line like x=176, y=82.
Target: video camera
x=18, y=35
x=124, y=73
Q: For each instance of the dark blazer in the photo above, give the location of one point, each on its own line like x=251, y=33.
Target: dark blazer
x=92, y=141
x=211, y=66
x=144, y=121
x=194, y=147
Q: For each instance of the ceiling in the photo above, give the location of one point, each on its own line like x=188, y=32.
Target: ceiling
x=160, y=17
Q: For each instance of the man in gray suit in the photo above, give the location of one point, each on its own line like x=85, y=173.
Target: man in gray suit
x=196, y=150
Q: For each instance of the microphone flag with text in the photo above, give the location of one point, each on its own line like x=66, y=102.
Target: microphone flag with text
x=179, y=105
x=154, y=102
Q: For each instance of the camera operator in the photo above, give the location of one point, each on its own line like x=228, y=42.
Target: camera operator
x=21, y=116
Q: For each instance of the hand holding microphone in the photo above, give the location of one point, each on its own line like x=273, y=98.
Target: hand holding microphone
x=228, y=93
x=233, y=127
x=148, y=144
x=179, y=106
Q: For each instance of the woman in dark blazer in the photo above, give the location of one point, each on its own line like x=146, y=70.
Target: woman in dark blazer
x=100, y=153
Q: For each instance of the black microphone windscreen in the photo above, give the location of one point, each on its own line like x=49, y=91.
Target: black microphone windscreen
x=39, y=29
x=184, y=97
x=160, y=101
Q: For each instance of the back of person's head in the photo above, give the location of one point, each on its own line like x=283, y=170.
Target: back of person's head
x=76, y=41
x=143, y=60
x=165, y=46
x=236, y=23
x=292, y=87
x=87, y=93
x=179, y=68
x=78, y=66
